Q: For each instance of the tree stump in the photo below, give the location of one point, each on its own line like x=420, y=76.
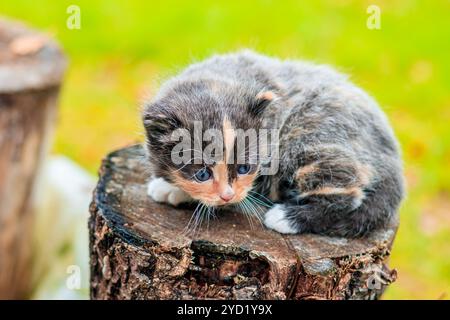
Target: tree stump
x=139, y=251
x=31, y=69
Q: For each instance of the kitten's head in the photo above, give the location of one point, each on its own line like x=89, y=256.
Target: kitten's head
x=202, y=136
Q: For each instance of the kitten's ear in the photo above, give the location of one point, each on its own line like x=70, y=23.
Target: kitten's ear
x=262, y=100
x=159, y=122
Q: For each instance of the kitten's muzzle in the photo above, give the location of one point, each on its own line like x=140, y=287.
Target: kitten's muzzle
x=227, y=194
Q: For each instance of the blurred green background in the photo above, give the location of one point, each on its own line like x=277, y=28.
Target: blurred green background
x=124, y=48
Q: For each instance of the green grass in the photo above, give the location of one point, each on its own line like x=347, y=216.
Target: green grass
x=124, y=48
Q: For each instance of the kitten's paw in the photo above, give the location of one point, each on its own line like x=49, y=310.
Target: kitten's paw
x=275, y=219
x=162, y=191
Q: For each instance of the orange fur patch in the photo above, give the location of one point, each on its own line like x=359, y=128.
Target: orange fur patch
x=229, y=136
x=354, y=191
x=205, y=191
x=242, y=185
x=209, y=191
x=220, y=176
x=266, y=95
x=303, y=171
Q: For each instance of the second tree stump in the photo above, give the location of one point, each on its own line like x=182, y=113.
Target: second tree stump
x=31, y=71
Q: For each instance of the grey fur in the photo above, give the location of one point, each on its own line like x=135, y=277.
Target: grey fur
x=324, y=121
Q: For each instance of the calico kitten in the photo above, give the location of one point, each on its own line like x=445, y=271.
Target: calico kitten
x=339, y=169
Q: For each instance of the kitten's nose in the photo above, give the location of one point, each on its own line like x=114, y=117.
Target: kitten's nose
x=227, y=195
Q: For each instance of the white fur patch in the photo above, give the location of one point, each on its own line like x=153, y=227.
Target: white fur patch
x=162, y=191
x=275, y=219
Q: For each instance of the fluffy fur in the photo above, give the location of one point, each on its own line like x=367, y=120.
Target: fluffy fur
x=340, y=172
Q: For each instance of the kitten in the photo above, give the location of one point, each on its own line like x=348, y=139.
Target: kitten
x=339, y=169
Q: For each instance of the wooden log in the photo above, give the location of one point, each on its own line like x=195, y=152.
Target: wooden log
x=31, y=69
x=139, y=251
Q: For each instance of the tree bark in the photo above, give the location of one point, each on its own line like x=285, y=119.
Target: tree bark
x=31, y=68
x=139, y=251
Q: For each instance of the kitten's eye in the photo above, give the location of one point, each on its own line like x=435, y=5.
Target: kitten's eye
x=203, y=175
x=243, y=168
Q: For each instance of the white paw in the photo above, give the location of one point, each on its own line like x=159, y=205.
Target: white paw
x=275, y=219
x=162, y=191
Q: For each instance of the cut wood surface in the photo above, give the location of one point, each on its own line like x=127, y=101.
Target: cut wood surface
x=139, y=250
x=31, y=69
